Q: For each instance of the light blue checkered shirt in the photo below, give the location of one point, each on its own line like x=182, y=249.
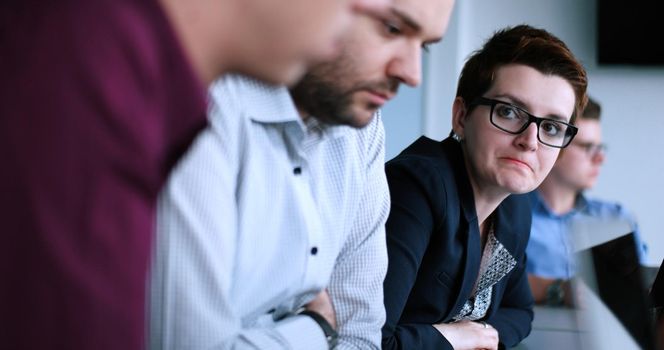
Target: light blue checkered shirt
x=263, y=212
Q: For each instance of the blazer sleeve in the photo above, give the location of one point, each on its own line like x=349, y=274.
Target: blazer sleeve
x=514, y=317
x=409, y=228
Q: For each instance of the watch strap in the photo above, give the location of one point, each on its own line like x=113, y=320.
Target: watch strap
x=331, y=335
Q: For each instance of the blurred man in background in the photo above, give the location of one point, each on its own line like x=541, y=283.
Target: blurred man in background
x=559, y=201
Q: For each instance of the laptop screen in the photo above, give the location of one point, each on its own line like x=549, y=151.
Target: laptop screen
x=657, y=291
x=614, y=274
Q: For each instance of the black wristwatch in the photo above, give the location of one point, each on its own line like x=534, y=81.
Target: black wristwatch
x=331, y=335
x=555, y=294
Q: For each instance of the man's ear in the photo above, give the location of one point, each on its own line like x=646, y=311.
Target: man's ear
x=459, y=114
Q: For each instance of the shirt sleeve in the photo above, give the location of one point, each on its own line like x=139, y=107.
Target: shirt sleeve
x=356, y=284
x=191, y=305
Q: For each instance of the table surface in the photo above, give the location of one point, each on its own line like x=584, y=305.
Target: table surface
x=592, y=327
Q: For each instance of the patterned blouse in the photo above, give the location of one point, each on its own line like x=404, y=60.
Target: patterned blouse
x=496, y=263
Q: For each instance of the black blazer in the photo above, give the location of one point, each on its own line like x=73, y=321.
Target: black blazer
x=434, y=250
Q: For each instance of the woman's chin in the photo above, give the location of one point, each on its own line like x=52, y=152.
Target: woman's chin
x=519, y=187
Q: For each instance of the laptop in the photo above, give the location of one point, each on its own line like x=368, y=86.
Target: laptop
x=612, y=271
x=613, y=307
x=657, y=289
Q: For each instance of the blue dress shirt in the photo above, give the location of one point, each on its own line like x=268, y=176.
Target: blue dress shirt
x=550, y=251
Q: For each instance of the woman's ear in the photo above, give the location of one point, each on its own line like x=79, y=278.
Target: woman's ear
x=459, y=114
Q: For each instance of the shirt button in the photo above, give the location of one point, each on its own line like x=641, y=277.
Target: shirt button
x=314, y=250
x=297, y=170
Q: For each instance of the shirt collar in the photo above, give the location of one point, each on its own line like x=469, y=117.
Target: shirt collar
x=332, y=131
x=271, y=104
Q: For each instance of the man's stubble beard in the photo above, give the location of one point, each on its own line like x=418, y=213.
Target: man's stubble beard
x=323, y=100
x=329, y=100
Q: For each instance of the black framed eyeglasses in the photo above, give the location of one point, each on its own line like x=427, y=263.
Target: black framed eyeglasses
x=592, y=149
x=515, y=120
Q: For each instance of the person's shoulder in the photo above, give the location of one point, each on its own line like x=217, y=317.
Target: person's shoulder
x=606, y=209
x=244, y=89
x=424, y=162
x=423, y=153
x=365, y=145
x=242, y=97
x=372, y=134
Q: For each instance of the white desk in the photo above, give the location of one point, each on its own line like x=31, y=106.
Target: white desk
x=553, y=328
x=593, y=327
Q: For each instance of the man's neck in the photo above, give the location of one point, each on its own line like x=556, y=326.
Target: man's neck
x=559, y=199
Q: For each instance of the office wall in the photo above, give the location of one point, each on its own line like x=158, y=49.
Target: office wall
x=632, y=99
x=403, y=118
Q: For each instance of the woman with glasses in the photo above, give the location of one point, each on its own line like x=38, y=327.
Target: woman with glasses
x=458, y=226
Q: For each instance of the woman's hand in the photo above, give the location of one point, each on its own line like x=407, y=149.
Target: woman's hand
x=468, y=335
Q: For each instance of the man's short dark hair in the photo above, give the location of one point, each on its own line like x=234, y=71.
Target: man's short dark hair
x=592, y=111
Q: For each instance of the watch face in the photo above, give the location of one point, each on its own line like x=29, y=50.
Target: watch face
x=555, y=294
x=332, y=340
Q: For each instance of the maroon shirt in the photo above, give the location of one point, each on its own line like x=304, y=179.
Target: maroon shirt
x=97, y=102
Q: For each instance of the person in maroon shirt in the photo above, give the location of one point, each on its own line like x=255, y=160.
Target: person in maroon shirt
x=98, y=99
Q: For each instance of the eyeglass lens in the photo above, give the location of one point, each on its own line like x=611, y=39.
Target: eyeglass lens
x=515, y=120
x=592, y=149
